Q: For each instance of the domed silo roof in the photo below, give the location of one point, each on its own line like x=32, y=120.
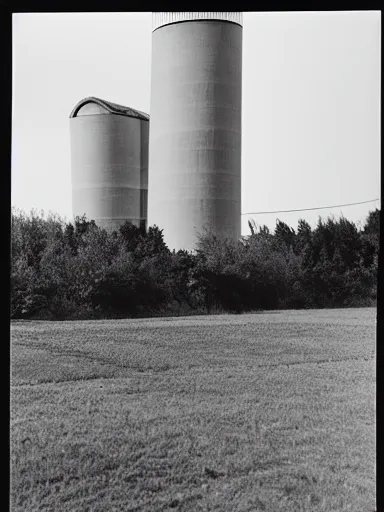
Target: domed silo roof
x=93, y=105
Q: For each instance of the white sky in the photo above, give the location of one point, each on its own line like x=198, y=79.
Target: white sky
x=311, y=105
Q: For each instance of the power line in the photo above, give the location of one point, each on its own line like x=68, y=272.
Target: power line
x=307, y=209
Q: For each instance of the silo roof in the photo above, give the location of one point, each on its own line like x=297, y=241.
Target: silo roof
x=111, y=108
x=159, y=19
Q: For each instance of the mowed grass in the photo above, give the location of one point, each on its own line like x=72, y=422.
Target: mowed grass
x=260, y=412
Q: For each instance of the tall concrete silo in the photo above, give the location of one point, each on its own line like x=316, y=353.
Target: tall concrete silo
x=195, y=130
x=109, y=156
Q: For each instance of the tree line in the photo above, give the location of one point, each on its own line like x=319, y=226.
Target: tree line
x=62, y=270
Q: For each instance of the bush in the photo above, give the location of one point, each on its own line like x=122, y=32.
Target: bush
x=77, y=270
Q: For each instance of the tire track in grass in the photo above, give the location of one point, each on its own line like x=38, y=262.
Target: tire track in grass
x=145, y=373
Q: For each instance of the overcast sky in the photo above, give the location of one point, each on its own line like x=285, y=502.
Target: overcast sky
x=311, y=105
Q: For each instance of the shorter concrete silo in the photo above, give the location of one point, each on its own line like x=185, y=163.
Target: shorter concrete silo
x=109, y=160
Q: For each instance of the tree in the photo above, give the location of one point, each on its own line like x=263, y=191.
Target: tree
x=131, y=235
x=78, y=270
x=371, y=239
x=303, y=237
x=284, y=234
x=152, y=243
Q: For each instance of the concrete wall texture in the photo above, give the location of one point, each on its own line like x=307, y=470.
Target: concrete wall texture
x=109, y=156
x=195, y=130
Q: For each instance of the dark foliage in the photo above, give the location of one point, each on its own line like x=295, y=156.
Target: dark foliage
x=62, y=270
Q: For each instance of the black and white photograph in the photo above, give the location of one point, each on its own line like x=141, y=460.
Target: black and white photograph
x=194, y=258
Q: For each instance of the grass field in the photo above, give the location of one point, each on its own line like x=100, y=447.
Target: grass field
x=261, y=412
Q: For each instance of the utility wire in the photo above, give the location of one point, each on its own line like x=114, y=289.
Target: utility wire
x=307, y=209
